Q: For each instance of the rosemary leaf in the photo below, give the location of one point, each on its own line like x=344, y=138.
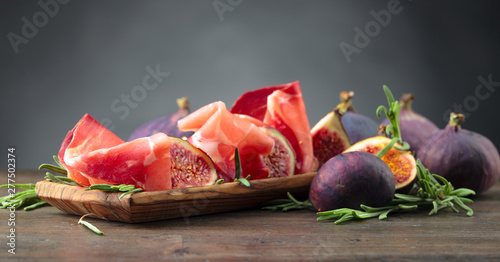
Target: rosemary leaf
x=89, y=225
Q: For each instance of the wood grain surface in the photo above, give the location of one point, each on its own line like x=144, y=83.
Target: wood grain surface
x=175, y=203
x=48, y=234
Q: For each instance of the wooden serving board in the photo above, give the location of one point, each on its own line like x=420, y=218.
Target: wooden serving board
x=174, y=203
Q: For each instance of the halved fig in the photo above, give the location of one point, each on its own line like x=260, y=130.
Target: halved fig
x=329, y=137
x=401, y=163
x=281, y=161
x=190, y=165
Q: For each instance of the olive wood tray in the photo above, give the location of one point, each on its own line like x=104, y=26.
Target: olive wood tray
x=174, y=203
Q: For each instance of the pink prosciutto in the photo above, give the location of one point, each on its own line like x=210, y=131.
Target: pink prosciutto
x=92, y=152
x=87, y=135
x=218, y=133
x=282, y=107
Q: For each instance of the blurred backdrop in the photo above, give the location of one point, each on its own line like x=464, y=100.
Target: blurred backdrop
x=62, y=59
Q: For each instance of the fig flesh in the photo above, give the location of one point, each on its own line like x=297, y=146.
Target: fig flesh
x=467, y=159
x=351, y=179
x=166, y=124
x=189, y=165
x=281, y=161
x=357, y=126
x=401, y=163
x=414, y=127
x=329, y=137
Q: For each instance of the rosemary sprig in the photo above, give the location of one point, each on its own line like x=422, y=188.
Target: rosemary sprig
x=26, y=198
x=59, y=168
x=433, y=190
x=60, y=179
x=286, y=204
x=90, y=226
x=237, y=170
x=393, y=128
x=127, y=189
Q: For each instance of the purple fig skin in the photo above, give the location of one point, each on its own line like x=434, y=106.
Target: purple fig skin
x=467, y=159
x=166, y=124
x=358, y=127
x=351, y=179
x=414, y=127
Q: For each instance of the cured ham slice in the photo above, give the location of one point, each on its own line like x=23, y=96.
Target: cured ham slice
x=87, y=135
x=94, y=155
x=282, y=107
x=144, y=162
x=218, y=132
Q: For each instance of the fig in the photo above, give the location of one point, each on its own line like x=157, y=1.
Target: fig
x=281, y=161
x=466, y=158
x=402, y=163
x=351, y=179
x=165, y=124
x=415, y=128
x=190, y=165
x=357, y=126
x=329, y=137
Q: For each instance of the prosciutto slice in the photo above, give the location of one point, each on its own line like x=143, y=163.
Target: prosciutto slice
x=87, y=135
x=94, y=155
x=144, y=162
x=218, y=132
x=282, y=107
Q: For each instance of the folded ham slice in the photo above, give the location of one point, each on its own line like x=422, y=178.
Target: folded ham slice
x=282, y=107
x=87, y=135
x=94, y=155
x=218, y=132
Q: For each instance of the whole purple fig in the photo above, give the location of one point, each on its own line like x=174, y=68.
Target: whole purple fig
x=467, y=159
x=166, y=124
x=415, y=128
x=351, y=179
x=357, y=126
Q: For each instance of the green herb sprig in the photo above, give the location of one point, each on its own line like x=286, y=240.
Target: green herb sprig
x=430, y=193
x=89, y=225
x=59, y=168
x=393, y=128
x=237, y=170
x=26, y=198
x=291, y=203
x=127, y=189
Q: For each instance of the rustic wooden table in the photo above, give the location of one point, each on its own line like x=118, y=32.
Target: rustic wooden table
x=47, y=234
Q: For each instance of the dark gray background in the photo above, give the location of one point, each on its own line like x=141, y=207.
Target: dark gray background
x=92, y=52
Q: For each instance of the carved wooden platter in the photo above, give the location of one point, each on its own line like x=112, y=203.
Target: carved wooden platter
x=174, y=203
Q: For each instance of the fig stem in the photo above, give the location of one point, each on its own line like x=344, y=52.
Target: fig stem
x=456, y=120
x=183, y=103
